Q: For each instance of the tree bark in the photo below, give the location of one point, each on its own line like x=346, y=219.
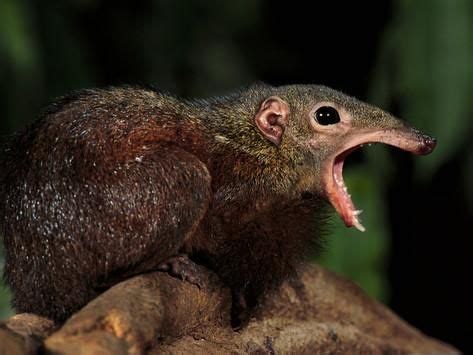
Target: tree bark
x=316, y=313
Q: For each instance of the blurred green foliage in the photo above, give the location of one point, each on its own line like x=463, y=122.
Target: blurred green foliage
x=423, y=71
x=425, y=64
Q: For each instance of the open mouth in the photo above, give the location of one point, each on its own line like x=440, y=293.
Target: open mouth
x=337, y=193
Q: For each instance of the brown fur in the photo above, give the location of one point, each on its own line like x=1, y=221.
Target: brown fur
x=108, y=183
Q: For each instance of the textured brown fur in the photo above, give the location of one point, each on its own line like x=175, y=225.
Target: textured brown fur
x=110, y=183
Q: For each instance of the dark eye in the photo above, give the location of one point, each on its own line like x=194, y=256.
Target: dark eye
x=326, y=115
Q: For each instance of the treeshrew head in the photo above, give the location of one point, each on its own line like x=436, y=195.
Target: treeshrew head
x=328, y=125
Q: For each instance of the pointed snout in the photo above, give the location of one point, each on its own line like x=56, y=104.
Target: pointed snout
x=411, y=139
x=427, y=144
x=385, y=128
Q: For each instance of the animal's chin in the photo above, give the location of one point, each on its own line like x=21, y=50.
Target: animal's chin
x=334, y=185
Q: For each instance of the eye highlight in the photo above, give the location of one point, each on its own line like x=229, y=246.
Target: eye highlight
x=327, y=115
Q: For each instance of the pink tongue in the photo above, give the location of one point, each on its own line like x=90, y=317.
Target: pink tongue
x=346, y=208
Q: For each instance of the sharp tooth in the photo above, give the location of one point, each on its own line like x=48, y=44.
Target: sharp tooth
x=357, y=212
x=358, y=225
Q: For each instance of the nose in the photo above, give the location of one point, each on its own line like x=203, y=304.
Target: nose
x=427, y=144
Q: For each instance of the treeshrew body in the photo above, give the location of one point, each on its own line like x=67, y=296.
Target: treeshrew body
x=112, y=183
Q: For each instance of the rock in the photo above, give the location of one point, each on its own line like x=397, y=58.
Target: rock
x=24, y=333
x=316, y=313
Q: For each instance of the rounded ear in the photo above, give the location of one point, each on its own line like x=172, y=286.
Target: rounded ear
x=272, y=118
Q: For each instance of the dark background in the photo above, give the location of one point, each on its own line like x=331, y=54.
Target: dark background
x=414, y=58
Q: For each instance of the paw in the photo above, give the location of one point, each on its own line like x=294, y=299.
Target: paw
x=182, y=267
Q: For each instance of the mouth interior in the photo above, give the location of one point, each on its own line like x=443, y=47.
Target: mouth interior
x=339, y=195
x=406, y=139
